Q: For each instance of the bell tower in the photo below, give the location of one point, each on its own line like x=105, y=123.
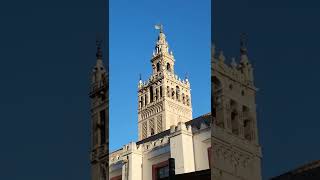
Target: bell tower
x=164, y=99
x=99, y=119
x=235, y=132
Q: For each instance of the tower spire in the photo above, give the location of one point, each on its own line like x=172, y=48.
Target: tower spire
x=162, y=46
x=243, y=44
x=99, y=49
x=243, y=49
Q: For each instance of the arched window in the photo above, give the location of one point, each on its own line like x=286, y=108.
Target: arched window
x=168, y=67
x=145, y=100
x=234, y=117
x=247, y=123
x=160, y=91
x=151, y=126
x=151, y=94
x=157, y=94
x=172, y=93
x=140, y=102
x=216, y=92
x=158, y=66
x=183, y=98
x=177, y=93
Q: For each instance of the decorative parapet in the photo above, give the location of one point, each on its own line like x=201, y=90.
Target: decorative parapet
x=155, y=77
x=233, y=70
x=235, y=141
x=148, y=146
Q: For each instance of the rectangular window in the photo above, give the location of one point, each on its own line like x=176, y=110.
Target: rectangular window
x=103, y=126
x=160, y=170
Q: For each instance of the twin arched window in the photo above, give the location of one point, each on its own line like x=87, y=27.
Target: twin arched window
x=168, y=67
x=158, y=66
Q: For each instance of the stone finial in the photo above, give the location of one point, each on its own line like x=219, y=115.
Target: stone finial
x=243, y=49
x=203, y=126
x=221, y=57
x=213, y=49
x=189, y=128
x=233, y=63
x=243, y=44
x=172, y=129
x=99, y=49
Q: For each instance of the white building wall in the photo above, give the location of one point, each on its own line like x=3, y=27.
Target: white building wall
x=135, y=166
x=181, y=149
x=149, y=161
x=201, y=143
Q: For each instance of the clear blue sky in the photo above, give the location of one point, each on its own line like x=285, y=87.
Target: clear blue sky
x=132, y=39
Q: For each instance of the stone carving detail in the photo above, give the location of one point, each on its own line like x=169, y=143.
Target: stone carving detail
x=151, y=126
x=144, y=130
x=159, y=123
x=231, y=155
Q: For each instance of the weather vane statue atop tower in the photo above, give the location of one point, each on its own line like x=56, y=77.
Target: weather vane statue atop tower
x=159, y=26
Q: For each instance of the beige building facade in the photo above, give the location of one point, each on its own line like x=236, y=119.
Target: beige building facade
x=99, y=119
x=166, y=128
x=236, y=153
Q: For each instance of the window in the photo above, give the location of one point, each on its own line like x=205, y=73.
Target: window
x=160, y=91
x=234, y=117
x=157, y=94
x=151, y=94
x=168, y=67
x=103, y=126
x=177, y=93
x=159, y=124
x=160, y=170
x=151, y=126
x=144, y=130
x=158, y=67
x=187, y=99
x=172, y=93
x=163, y=172
x=140, y=102
x=95, y=132
x=145, y=100
x=234, y=122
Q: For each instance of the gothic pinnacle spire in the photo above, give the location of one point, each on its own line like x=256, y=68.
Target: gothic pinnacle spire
x=243, y=44
x=99, y=49
x=243, y=49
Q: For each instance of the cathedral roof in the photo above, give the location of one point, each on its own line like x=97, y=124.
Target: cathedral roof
x=308, y=171
x=196, y=122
